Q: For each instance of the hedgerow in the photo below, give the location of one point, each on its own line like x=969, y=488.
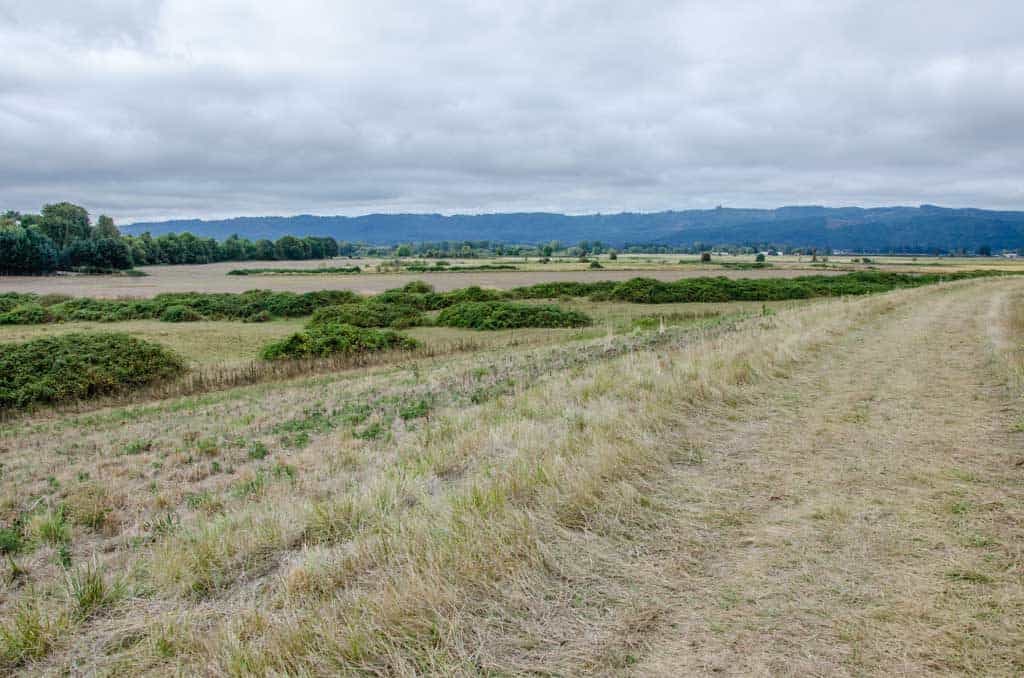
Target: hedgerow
x=327, y=339
x=497, y=315
x=328, y=270
x=553, y=290
x=79, y=366
x=721, y=289
x=176, y=307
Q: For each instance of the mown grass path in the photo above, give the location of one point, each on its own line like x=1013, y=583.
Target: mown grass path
x=866, y=517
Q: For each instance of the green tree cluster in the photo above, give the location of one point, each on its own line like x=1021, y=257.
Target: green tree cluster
x=62, y=237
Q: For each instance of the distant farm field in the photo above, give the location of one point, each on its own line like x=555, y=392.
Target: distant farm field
x=214, y=278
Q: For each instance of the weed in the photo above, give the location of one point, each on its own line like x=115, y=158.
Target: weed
x=28, y=635
x=89, y=592
x=51, y=527
x=257, y=450
x=10, y=540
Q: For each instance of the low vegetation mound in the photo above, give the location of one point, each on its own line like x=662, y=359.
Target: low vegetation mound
x=421, y=296
x=79, y=366
x=499, y=315
x=180, y=314
x=442, y=267
x=369, y=313
x=323, y=270
x=721, y=289
x=171, y=307
x=331, y=338
x=26, y=314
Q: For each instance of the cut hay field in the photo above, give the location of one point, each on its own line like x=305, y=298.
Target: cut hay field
x=812, y=487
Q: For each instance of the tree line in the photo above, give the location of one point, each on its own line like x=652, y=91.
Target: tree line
x=62, y=237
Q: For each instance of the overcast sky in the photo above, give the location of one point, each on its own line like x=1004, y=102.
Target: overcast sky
x=202, y=108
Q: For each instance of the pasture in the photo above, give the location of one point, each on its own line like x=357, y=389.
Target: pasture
x=215, y=278
x=828, y=485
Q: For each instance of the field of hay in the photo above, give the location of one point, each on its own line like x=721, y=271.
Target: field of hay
x=812, y=487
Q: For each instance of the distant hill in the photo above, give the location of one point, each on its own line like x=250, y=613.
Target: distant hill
x=852, y=228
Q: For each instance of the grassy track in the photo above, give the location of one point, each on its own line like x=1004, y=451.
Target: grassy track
x=833, y=489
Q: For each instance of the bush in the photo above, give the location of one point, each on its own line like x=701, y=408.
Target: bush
x=327, y=339
x=79, y=366
x=179, y=314
x=705, y=257
x=26, y=314
x=554, y=290
x=759, y=258
x=473, y=293
x=492, y=315
x=596, y=264
x=10, y=540
x=369, y=313
x=420, y=287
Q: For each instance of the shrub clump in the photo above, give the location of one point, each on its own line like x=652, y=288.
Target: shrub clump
x=331, y=338
x=499, y=315
x=180, y=314
x=26, y=314
x=78, y=366
x=369, y=313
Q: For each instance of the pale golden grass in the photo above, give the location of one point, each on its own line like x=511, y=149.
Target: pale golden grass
x=560, y=529
x=223, y=354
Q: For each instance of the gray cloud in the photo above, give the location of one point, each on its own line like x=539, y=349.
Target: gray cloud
x=186, y=108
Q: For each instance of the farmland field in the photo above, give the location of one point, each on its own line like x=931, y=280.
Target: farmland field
x=809, y=487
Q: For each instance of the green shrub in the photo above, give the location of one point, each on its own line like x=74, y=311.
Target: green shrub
x=328, y=339
x=180, y=314
x=473, y=293
x=26, y=314
x=79, y=366
x=420, y=287
x=369, y=313
x=554, y=290
x=497, y=315
x=10, y=540
x=48, y=300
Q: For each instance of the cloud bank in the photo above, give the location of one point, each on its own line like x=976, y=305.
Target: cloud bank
x=147, y=109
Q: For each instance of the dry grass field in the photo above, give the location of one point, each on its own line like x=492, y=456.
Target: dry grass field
x=214, y=278
x=819, y=488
